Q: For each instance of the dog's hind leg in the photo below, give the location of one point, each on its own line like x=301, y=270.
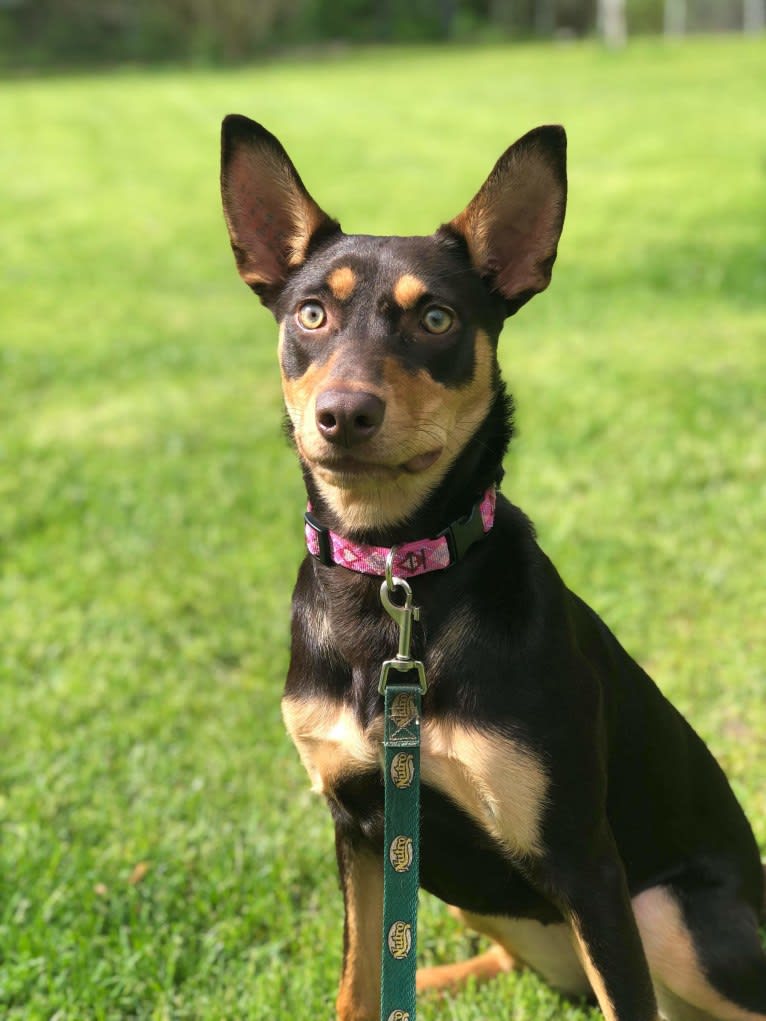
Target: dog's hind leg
x=482, y=968
x=517, y=943
x=704, y=954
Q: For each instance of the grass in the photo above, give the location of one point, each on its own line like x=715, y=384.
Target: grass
x=161, y=856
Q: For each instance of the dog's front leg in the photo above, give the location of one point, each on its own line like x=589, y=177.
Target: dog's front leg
x=592, y=892
x=361, y=875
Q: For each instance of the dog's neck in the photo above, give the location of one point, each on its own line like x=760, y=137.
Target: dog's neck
x=478, y=466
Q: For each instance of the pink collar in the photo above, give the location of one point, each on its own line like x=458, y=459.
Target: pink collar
x=411, y=558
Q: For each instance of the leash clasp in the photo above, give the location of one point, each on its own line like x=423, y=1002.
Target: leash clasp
x=403, y=616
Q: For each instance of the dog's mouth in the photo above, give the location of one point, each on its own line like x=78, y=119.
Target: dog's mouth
x=422, y=462
x=351, y=467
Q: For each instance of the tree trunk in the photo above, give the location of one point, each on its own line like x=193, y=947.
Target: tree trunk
x=674, y=22
x=611, y=22
x=447, y=11
x=754, y=15
x=501, y=13
x=545, y=17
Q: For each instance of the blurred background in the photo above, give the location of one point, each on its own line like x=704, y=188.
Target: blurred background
x=95, y=31
x=161, y=855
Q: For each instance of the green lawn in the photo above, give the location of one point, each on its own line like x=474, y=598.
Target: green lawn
x=161, y=856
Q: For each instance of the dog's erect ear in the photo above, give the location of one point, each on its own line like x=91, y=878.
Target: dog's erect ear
x=513, y=223
x=272, y=219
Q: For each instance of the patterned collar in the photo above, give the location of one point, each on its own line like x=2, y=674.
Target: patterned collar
x=411, y=558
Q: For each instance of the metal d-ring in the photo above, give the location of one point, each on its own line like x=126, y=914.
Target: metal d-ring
x=390, y=580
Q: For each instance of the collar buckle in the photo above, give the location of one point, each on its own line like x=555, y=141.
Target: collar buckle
x=324, y=552
x=463, y=533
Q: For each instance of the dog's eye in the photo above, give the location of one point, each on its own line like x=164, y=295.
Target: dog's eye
x=311, y=315
x=437, y=319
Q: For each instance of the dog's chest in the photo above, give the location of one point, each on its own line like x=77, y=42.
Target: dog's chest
x=496, y=780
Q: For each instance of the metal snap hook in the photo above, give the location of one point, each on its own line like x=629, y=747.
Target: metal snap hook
x=403, y=616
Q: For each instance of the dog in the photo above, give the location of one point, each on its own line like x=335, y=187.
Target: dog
x=568, y=811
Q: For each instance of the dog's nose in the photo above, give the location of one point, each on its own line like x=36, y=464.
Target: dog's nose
x=348, y=417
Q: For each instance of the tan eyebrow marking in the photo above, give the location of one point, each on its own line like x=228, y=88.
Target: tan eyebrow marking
x=408, y=289
x=342, y=282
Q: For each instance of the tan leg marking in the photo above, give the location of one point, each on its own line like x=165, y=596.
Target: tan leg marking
x=408, y=290
x=359, y=992
x=329, y=740
x=546, y=949
x=482, y=968
x=342, y=282
x=495, y=780
x=519, y=943
x=674, y=1009
x=673, y=958
x=682, y=990
x=595, y=977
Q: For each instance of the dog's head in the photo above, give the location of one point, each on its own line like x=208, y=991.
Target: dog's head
x=387, y=345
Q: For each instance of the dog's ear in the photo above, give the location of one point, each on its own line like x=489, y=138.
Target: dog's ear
x=512, y=225
x=273, y=221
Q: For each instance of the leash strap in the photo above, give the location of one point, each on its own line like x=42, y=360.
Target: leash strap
x=401, y=877
x=401, y=783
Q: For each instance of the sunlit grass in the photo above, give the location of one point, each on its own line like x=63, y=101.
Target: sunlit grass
x=150, y=511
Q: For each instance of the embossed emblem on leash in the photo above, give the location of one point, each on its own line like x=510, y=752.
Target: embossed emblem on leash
x=400, y=940
x=402, y=770
x=399, y=1015
x=403, y=710
x=401, y=854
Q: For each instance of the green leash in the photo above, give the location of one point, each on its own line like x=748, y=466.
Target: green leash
x=401, y=853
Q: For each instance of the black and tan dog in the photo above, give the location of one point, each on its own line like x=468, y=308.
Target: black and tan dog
x=568, y=811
